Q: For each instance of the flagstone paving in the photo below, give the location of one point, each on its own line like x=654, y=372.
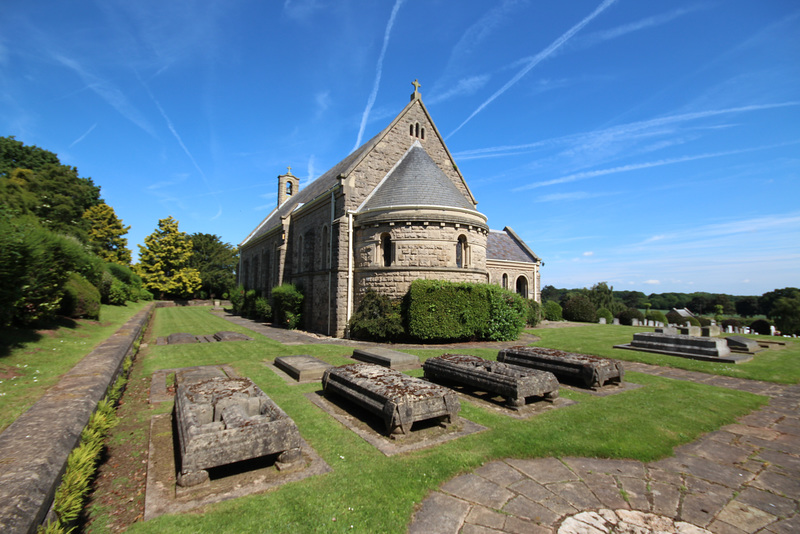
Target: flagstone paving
x=743, y=478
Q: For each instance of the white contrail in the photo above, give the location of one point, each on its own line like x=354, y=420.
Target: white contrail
x=544, y=54
x=374, y=93
x=81, y=138
x=646, y=165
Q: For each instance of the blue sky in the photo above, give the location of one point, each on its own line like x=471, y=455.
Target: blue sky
x=652, y=145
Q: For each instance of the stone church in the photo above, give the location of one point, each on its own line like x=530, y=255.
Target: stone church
x=394, y=210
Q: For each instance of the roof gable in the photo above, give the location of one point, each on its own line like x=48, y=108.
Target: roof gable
x=506, y=245
x=416, y=180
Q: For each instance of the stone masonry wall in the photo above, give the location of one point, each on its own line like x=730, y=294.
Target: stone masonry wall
x=514, y=270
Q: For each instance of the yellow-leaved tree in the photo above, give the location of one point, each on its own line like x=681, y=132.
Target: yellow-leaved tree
x=164, y=259
x=106, y=233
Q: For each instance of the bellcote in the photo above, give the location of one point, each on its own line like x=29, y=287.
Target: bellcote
x=288, y=186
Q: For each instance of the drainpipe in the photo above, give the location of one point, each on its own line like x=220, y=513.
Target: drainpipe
x=330, y=258
x=349, y=267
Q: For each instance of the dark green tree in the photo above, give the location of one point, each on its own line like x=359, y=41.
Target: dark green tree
x=16, y=155
x=767, y=300
x=786, y=313
x=601, y=295
x=580, y=309
x=216, y=261
x=747, y=306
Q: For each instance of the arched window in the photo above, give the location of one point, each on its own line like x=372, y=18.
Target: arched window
x=522, y=287
x=505, y=281
x=416, y=130
x=461, y=252
x=386, y=249
x=411, y=130
x=288, y=189
x=422, y=134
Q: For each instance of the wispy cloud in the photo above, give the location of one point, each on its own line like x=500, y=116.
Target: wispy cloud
x=576, y=195
x=538, y=58
x=108, y=92
x=465, y=86
x=378, y=73
x=82, y=137
x=645, y=165
x=648, y=22
x=301, y=9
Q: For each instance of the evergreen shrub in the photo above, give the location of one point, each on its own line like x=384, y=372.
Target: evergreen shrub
x=249, y=304
x=674, y=317
x=606, y=314
x=534, y=313
x=734, y=323
x=553, y=311
x=118, y=293
x=237, y=299
x=627, y=316
x=579, y=309
x=377, y=319
x=263, y=311
x=655, y=315
x=80, y=299
x=446, y=311
x=287, y=304
x=693, y=321
x=761, y=326
x=704, y=321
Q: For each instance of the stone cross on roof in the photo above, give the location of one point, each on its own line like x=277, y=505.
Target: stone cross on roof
x=289, y=171
x=416, y=85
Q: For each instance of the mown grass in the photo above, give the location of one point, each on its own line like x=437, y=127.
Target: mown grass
x=368, y=492
x=772, y=365
x=33, y=360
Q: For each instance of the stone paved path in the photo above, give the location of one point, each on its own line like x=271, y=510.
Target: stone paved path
x=742, y=478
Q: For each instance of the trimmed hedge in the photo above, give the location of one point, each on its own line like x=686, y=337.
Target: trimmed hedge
x=287, y=303
x=377, y=319
x=553, y=311
x=606, y=314
x=627, y=316
x=444, y=311
x=534, y=313
x=81, y=298
x=579, y=309
x=761, y=326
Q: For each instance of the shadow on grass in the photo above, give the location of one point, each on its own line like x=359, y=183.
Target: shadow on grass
x=14, y=337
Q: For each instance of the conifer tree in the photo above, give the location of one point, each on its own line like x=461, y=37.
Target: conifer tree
x=164, y=259
x=105, y=234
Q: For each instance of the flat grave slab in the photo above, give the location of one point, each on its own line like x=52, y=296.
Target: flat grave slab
x=592, y=371
x=400, y=400
x=743, y=344
x=162, y=389
x=223, y=420
x=713, y=349
x=516, y=384
x=183, y=338
x=302, y=368
x=387, y=358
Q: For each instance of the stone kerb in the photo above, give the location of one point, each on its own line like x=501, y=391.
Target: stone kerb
x=35, y=447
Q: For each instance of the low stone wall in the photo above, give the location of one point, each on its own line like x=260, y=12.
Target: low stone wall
x=35, y=447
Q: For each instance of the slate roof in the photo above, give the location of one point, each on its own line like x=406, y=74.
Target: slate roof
x=321, y=185
x=506, y=245
x=416, y=180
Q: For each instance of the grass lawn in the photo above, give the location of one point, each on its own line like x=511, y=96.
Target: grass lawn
x=772, y=365
x=33, y=360
x=373, y=493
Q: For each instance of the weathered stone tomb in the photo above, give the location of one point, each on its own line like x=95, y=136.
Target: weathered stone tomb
x=686, y=346
x=302, y=367
x=393, y=359
x=224, y=420
x=399, y=399
x=592, y=371
x=514, y=383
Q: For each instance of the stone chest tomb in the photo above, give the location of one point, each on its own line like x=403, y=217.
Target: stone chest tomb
x=400, y=400
x=224, y=420
x=512, y=382
x=592, y=371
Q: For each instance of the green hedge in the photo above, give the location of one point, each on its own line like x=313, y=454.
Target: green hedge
x=445, y=311
x=377, y=319
x=287, y=303
x=80, y=299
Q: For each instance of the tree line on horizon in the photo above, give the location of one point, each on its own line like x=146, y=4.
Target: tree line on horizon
x=63, y=250
x=781, y=306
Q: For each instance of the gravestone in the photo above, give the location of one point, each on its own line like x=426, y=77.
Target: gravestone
x=592, y=371
x=387, y=358
x=231, y=336
x=400, y=400
x=601, y=320
x=224, y=420
x=512, y=382
x=742, y=344
x=634, y=322
x=694, y=347
x=690, y=330
x=302, y=368
x=710, y=331
x=671, y=330
x=615, y=321
x=180, y=339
